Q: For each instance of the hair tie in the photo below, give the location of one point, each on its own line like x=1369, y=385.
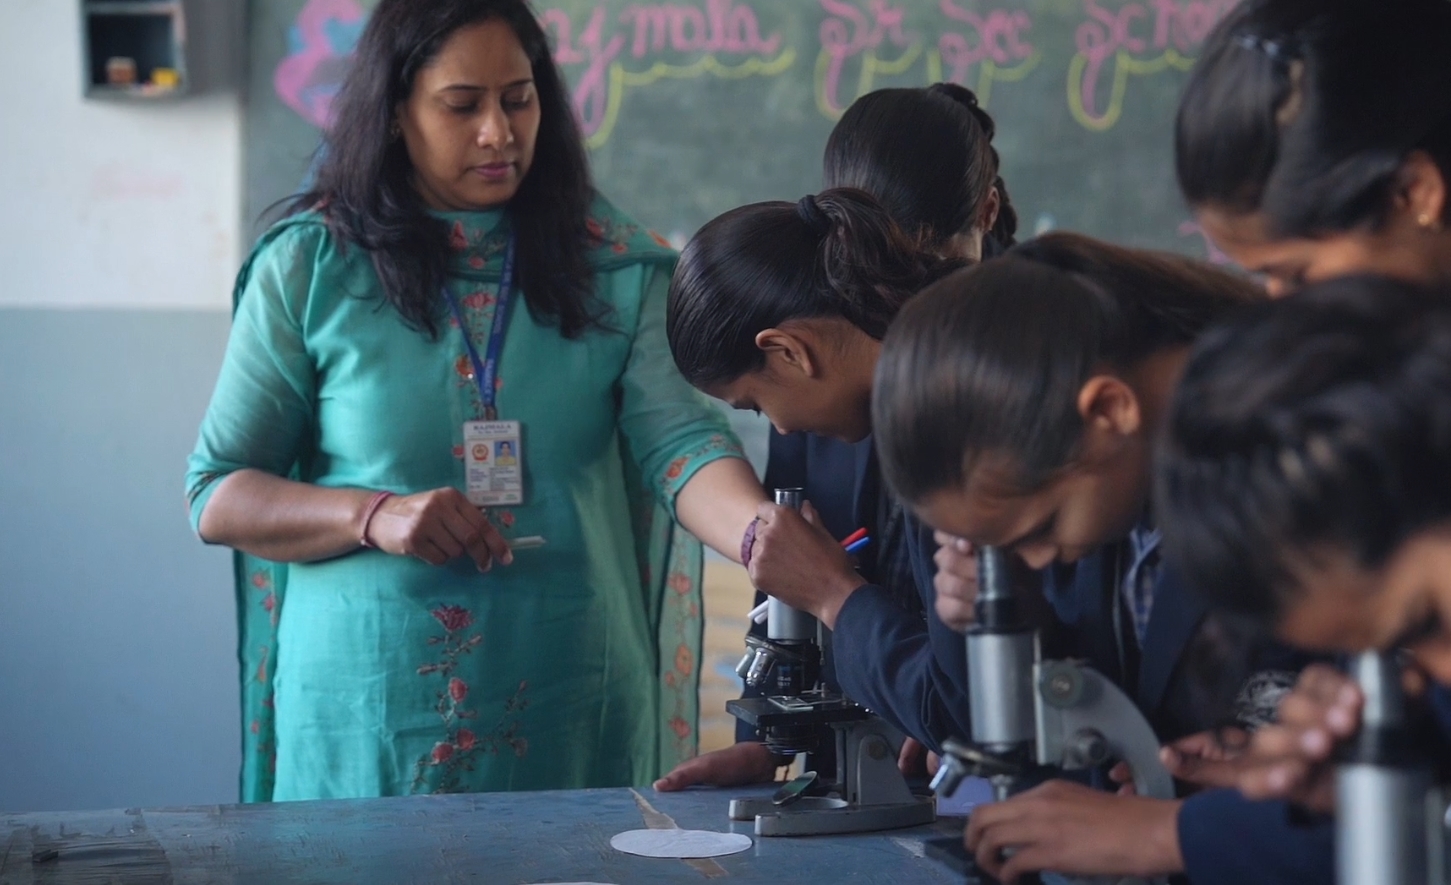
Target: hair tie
x=815, y=217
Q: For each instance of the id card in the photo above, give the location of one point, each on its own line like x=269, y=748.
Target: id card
x=493, y=463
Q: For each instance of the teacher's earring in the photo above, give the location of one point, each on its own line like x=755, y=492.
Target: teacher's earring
x=1428, y=221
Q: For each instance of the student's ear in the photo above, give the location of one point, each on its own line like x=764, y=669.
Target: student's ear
x=1108, y=405
x=787, y=351
x=1421, y=191
x=990, y=209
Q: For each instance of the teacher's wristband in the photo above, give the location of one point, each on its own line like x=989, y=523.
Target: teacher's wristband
x=373, y=504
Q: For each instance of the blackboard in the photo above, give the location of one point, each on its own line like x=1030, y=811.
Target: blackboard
x=693, y=107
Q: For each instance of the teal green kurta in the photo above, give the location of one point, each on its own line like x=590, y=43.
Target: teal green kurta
x=378, y=675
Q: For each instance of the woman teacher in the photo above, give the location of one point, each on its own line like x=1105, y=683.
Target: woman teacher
x=453, y=279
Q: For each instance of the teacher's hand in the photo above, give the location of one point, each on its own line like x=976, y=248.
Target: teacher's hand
x=436, y=527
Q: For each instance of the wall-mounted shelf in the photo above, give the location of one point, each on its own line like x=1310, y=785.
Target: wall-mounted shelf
x=134, y=49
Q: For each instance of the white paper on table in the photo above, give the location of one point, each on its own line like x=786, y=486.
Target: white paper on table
x=679, y=843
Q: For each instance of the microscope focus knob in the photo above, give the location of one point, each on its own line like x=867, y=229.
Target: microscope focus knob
x=1087, y=748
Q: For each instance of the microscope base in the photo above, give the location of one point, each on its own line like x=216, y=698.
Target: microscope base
x=821, y=816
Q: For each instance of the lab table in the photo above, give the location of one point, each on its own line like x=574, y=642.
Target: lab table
x=503, y=838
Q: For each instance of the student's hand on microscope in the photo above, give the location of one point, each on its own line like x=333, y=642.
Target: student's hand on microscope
x=1292, y=759
x=956, y=581
x=796, y=560
x=1212, y=758
x=1077, y=831
x=748, y=762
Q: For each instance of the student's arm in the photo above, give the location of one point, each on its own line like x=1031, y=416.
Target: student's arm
x=890, y=662
x=1226, y=839
x=912, y=674
x=1215, y=838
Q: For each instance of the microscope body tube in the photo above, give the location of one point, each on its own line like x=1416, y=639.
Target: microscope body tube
x=1382, y=831
x=1001, y=652
x=784, y=623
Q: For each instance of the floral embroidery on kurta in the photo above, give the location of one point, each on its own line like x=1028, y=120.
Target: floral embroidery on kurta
x=441, y=769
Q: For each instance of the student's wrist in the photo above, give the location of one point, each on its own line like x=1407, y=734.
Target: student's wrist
x=839, y=589
x=1163, y=840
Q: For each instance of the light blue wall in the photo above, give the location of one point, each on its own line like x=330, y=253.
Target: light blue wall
x=118, y=674
x=118, y=671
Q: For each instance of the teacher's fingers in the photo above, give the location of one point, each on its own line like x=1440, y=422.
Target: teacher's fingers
x=465, y=532
x=498, y=546
x=486, y=544
x=426, y=550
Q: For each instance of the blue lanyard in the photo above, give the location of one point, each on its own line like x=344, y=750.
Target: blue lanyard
x=487, y=369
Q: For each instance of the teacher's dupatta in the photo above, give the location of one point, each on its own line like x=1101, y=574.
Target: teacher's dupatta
x=669, y=559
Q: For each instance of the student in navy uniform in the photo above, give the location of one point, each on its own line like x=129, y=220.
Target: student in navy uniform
x=926, y=154
x=1017, y=404
x=1304, y=486
x=1314, y=141
x=779, y=308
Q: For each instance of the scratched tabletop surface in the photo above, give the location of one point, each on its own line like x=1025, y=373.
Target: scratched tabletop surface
x=504, y=838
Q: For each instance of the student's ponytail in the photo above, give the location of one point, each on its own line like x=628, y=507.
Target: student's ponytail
x=1005, y=226
x=926, y=155
x=870, y=266
x=833, y=254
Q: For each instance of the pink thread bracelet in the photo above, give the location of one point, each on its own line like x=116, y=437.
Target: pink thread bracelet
x=373, y=504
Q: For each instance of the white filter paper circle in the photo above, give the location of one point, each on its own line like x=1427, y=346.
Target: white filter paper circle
x=679, y=843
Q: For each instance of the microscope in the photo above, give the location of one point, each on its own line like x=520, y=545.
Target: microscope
x=1031, y=717
x=868, y=792
x=1389, y=820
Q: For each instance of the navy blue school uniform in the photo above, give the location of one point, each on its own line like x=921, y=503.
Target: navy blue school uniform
x=906, y=667
x=1223, y=837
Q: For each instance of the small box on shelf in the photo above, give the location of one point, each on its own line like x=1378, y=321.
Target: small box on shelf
x=134, y=48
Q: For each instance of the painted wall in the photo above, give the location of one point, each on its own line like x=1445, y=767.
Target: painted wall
x=119, y=236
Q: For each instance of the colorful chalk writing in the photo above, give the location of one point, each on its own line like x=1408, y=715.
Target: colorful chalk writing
x=716, y=28
x=873, y=35
x=593, y=50
x=849, y=31
x=995, y=40
x=318, y=44
x=1137, y=39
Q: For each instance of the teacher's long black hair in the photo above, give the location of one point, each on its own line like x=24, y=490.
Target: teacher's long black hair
x=364, y=182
